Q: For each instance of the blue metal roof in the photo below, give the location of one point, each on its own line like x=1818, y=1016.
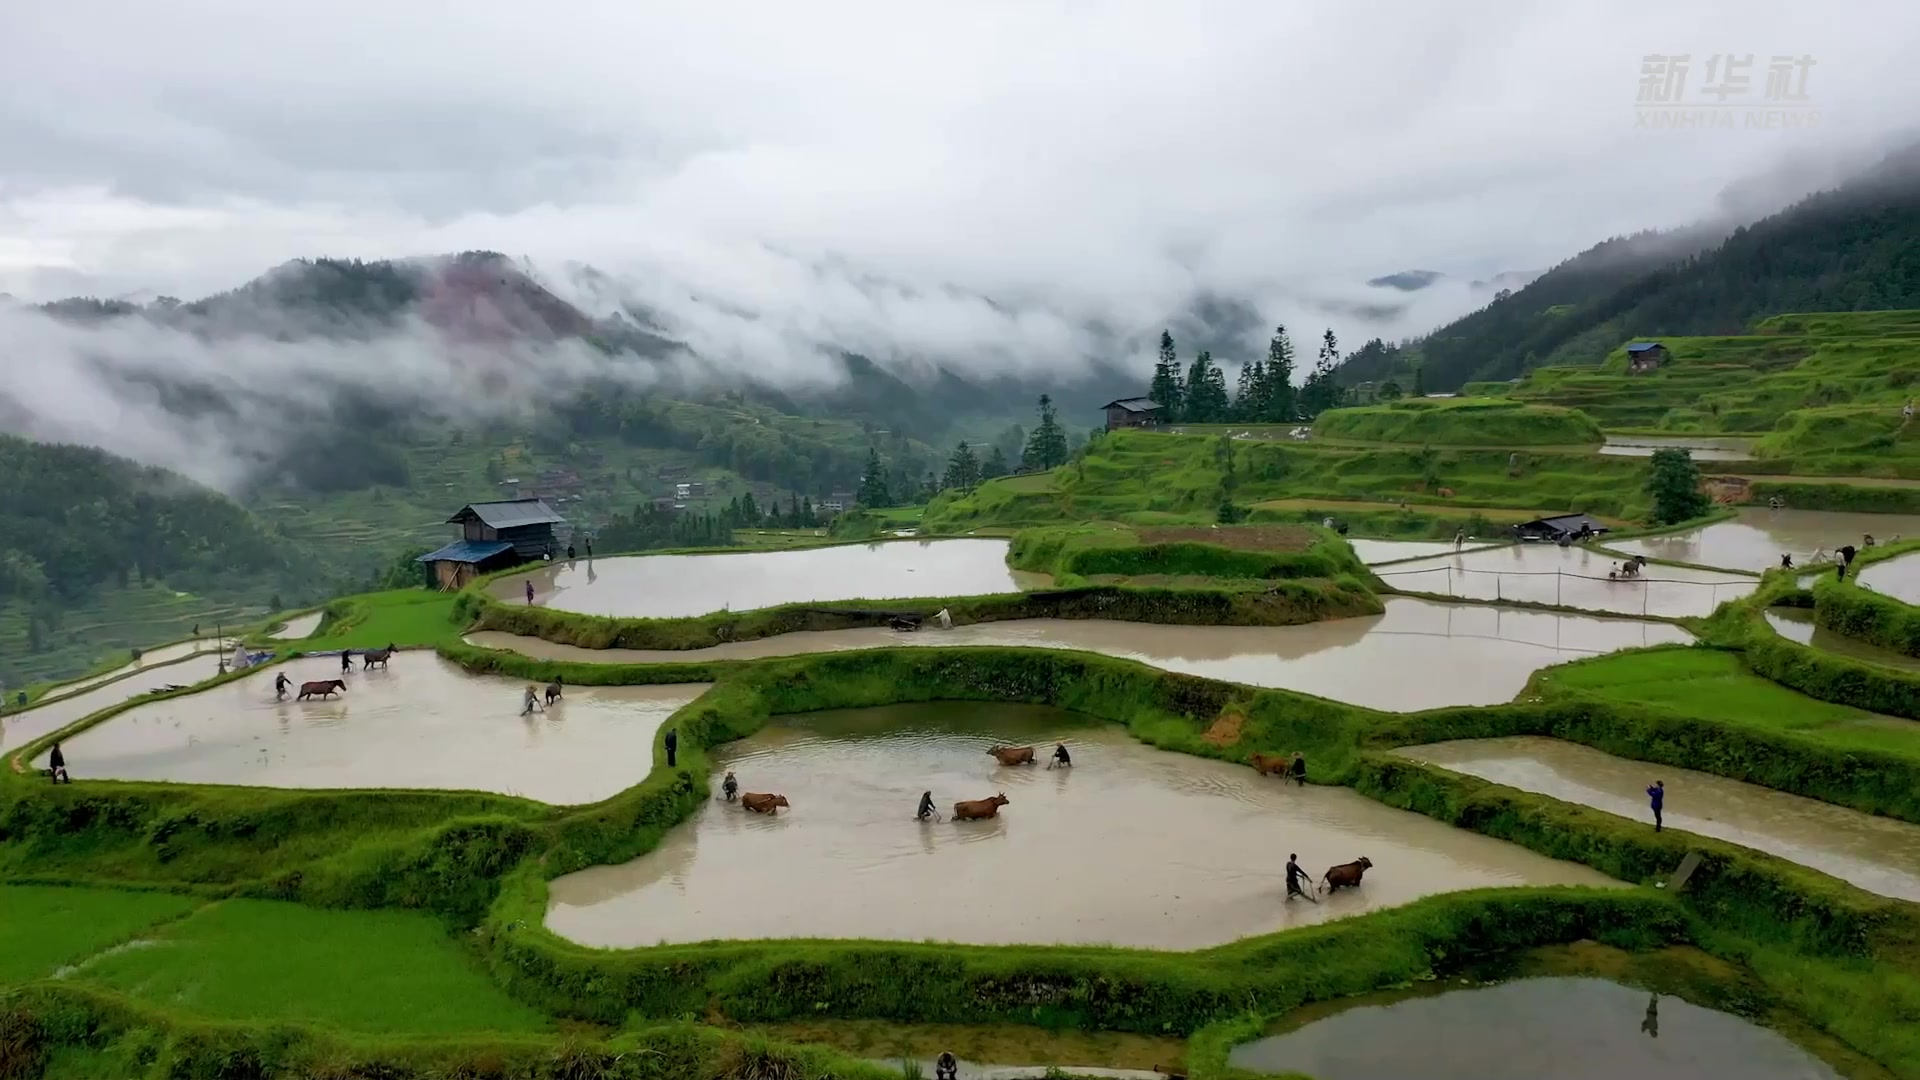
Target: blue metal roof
x=467, y=551
x=1642, y=346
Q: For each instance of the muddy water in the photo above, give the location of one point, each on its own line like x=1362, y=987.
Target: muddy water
x=298, y=627
x=18, y=729
x=1898, y=578
x=1758, y=537
x=1440, y=654
x=165, y=654
x=671, y=586
x=1796, y=624
x=1070, y=859
x=1878, y=854
x=1570, y=576
x=1701, y=447
x=1565, y=1028
x=424, y=723
x=1375, y=552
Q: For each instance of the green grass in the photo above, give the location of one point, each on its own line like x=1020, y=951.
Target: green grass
x=1714, y=685
x=1484, y=422
x=372, y=971
x=373, y=620
x=43, y=927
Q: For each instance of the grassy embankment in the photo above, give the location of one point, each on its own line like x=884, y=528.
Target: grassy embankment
x=1808, y=938
x=1845, y=607
x=1150, y=478
x=1481, y=422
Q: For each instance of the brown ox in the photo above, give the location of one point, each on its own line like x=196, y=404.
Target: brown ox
x=1346, y=875
x=761, y=802
x=320, y=688
x=1269, y=764
x=375, y=656
x=1012, y=755
x=970, y=809
x=1446, y=493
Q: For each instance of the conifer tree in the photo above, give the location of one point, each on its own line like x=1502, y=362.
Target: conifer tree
x=1047, y=446
x=1166, y=390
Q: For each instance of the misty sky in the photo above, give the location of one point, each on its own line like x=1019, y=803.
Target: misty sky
x=869, y=172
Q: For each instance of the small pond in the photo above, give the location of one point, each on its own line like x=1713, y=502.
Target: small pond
x=1531, y=1029
x=1879, y=854
x=422, y=723
x=1797, y=624
x=1700, y=447
x=1898, y=577
x=1438, y=654
x=1375, y=552
x=1131, y=846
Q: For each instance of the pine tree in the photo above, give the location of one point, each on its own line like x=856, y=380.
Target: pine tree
x=1321, y=392
x=1166, y=390
x=1047, y=446
x=1419, y=380
x=963, y=469
x=873, y=483
x=996, y=465
x=807, y=518
x=749, y=513
x=1282, y=405
x=1249, y=400
x=1206, y=392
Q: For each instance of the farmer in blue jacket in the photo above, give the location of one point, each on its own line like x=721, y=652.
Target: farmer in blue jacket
x=1657, y=795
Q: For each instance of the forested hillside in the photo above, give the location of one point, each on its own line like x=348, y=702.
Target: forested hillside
x=1855, y=248
x=83, y=530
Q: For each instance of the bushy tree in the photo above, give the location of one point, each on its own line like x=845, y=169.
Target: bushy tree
x=873, y=493
x=1206, y=392
x=1281, y=404
x=1674, y=482
x=1047, y=446
x=1166, y=389
x=1321, y=392
x=963, y=469
x=996, y=465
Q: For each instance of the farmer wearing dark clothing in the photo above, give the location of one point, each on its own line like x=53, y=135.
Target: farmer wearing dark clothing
x=589, y=547
x=1295, y=876
x=280, y=684
x=346, y=659
x=1298, y=770
x=730, y=786
x=1061, y=757
x=1657, y=796
x=569, y=552
x=673, y=746
x=529, y=590
x=1846, y=559
x=1786, y=562
x=926, y=806
x=57, y=766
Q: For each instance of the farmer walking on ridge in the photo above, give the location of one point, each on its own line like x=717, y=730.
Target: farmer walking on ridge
x=673, y=746
x=1657, y=797
x=57, y=766
x=529, y=590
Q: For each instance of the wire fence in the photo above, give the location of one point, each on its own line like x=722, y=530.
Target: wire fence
x=1613, y=587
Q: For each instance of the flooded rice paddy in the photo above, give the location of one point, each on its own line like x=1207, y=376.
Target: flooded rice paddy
x=298, y=627
x=422, y=723
x=1565, y=1028
x=1757, y=538
x=20, y=728
x=1375, y=552
x=1567, y=576
x=1897, y=577
x=1434, y=654
x=1180, y=852
x=1701, y=447
x=674, y=586
x=1796, y=624
x=152, y=658
x=1880, y=855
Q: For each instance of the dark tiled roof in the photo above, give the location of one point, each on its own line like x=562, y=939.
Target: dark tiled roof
x=1133, y=404
x=510, y=514
x=1643, y=346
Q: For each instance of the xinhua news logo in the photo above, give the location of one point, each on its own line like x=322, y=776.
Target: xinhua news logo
x=1729, y=95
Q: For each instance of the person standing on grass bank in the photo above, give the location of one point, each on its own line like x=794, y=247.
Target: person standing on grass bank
x=673, y=746
x=57, y=766
x=1657, y=797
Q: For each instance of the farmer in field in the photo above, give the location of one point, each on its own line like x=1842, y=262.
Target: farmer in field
x=673, y=746
x=1657, y=797
x=926, y=807
x=1296, y=877
x=280, y=684
x=529, y=590
x=57, y=766
x=1786, y=561
x=1845, y=553
x=346, y=660
x=529, y=701
x=1297, y=770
